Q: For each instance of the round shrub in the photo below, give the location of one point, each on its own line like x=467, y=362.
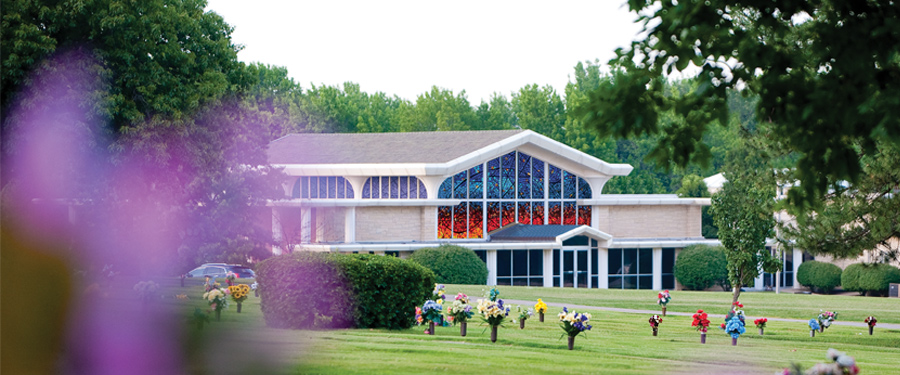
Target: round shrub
x=850, y=278
x=452, y=264
x=328, y=290
x=699, y=267
x=819, y=275
x=873, y=278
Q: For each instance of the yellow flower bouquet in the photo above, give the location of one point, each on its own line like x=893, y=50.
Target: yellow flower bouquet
x=239, y=293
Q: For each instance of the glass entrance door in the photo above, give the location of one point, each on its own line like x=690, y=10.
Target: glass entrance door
x=575, y=268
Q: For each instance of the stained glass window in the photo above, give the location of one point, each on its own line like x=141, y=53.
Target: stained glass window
x=537, y=179
x=304, y=187
x=584, y=215
x=509, y=213
x=493, y=215
x=340, y=187
x=460, y=185
x=537, y=218
x=323, y=187
x=395, y=188
x=569, y=185
x=476, y=216
x=524, y=177
x=476, y=182
x=375, y=184
x=332, y=187
x=569, y=213
x=367, y=189
x=584, y=189
x=493, y=179
x=555, y=182
x=554, y=213
x=460, y=221
x=385, y=187
x=404, y=190
x=422, y=192
x=349, y=190
x=445, y=221
x=524, y=213
x=313, y=187
x=298, y=186
x=508, y=176
x=446, y=189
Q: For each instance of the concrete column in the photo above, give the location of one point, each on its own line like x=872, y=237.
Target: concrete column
x=305, y=225
x=603, y=264
x=491, y=260
x=590, y=273
x=277, y=234
x=350, y=225
x=548, y=268
x=657, y=268
x=778, y=282
x=798, y=258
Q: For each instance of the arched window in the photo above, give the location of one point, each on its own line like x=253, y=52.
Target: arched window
x=322, y=187
x=393, y=187
x=513, y=188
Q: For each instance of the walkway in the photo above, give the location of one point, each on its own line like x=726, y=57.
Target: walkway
x=747, y=317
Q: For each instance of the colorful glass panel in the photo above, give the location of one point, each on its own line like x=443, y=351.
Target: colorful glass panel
x=537, y=217
x=524, y=213
x=509, y=213
x=367, y=189
x=304, y=187
x=313, y=187
x=493, y=216
x=385, y=187
x=404, y=189
x=413, y=186
x=395, y=189
x=375, y=185
x=493, y=179
x=446, y=189
x=476, y=182
x=584, y=189
x=295, y=191
x=555, y=182
x=332, y=187
x=460, y=185
x=554, y=213
x=340, y=187
x=349, y=190
x=323, y=187
x=445, y=221
x=537, y=179
x=584, y=215
x=524, y=189
x=569, y=185
x=508, y=176
x=460, y=221
x=423, y=193
x=476, y=216
x=569, y=213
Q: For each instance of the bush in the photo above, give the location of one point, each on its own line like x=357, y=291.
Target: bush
x=872, y=278
x=820, y=275
x=452, y=264
x=327, y=290
x=699, y=267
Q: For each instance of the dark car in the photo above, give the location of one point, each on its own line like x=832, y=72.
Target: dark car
x=218, y=270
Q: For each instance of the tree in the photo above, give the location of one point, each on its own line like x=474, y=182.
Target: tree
x=692, y=186
x=539, y=109
x=826, y=74
x=496, y=115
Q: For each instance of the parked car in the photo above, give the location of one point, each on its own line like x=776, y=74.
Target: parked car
x=217, y=270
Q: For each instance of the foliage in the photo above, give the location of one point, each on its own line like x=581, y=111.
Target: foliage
x=699, y=267
x=821, y=275
x=573, y=323
x=873, y=278
x=524, y=314
x=692, y=186
x=822, y=96
x=452, y=264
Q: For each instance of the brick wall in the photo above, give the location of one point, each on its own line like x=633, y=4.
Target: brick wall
x=401, y=224
x=663, y=221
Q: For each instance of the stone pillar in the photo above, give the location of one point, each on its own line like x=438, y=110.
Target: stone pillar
x=603, y=264
x=798, y=258
x=305, y=225
x=277, y=234
x=548, y=268
x=491, y=260
x=350, y=225
x=657, y=268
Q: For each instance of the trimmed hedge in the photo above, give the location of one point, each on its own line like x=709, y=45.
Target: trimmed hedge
x=452, y=264
x=820, y=275
x=699, y=267
x=873, y=278
x=306, y=290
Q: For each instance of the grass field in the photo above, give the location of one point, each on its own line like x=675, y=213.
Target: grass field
x=620, y=343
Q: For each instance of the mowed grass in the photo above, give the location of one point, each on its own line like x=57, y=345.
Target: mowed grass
x=620, y=343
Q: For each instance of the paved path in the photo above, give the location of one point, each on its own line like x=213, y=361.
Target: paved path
x=747, y=317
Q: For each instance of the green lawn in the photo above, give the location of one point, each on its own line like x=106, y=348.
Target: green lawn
x=620, y=343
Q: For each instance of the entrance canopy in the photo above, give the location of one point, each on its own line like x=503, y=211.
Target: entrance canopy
x=548, y=233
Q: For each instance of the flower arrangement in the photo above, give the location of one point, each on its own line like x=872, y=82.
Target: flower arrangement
x=761, y=323
x=825, y=319
x=654, y=323
x=524, y=314
x=870, y=321
x=418, y=315
x=494, y=294
x=239, y=293
x=663, y=298
x=216, y=300
x=735, y=328
x=438, y=294
x=813, y=324
x=493, y=312
x=841, y=364
x=701, y=321
x=229, y=278
x=431, y=312
x=540, y=307
x=460, y=310
x=574, y=323
x=210, y=284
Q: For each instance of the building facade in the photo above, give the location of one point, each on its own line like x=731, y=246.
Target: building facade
x=532, y=208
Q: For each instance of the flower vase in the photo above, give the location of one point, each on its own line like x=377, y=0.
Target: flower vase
x=239, y=307
x=431, y=327
x=655, y=331
x=493, y=333
x=870, y=330
x=734, y=341
x=462, y=329
x=541, y=317
x=256, y=292
x=521, y=323
x=821, y=328
x=664, y=311
x=218, y=315
x=812, y=333
x=760, y=331
x=703, y=337
x=571, y=342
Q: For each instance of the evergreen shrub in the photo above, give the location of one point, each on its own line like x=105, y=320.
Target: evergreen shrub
x=699, y=267
x=872, y=278
x=819, y=275
x=452, y=264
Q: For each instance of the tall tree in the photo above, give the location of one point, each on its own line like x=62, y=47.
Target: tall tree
x=496, y=115
x=826, y=73
x=540, y=109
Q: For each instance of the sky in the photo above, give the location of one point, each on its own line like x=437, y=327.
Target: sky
x=404, y=48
